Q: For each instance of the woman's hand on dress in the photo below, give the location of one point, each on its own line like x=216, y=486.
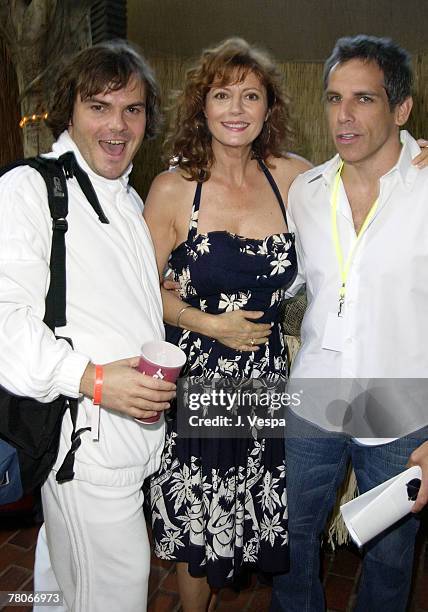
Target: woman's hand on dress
x=235, y=330
x=421, y=160
x=169, y=284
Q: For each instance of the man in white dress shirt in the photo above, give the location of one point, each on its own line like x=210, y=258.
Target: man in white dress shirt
x=105, y=103
x=361, y=225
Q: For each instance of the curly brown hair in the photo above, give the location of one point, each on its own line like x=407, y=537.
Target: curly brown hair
x=107, y=66
x=188, y=143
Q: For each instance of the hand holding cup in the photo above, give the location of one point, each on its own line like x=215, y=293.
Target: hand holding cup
x=163, y=360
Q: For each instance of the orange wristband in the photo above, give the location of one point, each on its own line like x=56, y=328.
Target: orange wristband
x=98, y=385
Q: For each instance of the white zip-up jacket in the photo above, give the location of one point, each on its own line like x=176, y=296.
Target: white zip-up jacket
x=113, y=307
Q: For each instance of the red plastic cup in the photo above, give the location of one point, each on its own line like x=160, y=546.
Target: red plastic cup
x=163, y=360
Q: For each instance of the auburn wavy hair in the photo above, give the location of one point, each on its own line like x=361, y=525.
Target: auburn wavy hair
x=188, y=143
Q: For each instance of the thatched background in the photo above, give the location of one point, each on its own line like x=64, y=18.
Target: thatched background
x=304, y=83
x=10, y=132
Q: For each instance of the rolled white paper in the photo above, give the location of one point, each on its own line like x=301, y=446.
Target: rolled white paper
x=371, y=513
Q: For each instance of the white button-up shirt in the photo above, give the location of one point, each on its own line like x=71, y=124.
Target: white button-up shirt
x=384, y=327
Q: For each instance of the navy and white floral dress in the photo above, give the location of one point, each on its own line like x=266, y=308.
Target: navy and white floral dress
x=220, y=504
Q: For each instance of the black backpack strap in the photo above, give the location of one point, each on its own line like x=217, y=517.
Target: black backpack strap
x=55, y=173
x=15, y=164
x=55, y=178
x=56, y=186
x=66, y=471
x=72, y=168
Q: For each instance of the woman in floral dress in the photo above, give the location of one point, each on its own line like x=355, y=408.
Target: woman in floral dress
x=219, y=220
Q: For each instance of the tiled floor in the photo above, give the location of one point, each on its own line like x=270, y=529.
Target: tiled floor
x=341, y=572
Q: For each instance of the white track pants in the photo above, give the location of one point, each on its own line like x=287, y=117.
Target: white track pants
x=98, y=546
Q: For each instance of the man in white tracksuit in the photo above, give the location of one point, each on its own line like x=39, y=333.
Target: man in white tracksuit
x=105, y=102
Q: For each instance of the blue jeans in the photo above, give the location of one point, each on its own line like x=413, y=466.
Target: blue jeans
x=316, y=466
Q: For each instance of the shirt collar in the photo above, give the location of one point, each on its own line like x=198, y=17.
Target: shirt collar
x=66, y=143
x=331, y=168
x=403, y=168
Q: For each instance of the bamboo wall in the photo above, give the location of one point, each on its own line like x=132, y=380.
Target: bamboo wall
x=304, y=83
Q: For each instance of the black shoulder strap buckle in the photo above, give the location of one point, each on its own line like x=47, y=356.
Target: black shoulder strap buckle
x=56, y=185
x=60, y=224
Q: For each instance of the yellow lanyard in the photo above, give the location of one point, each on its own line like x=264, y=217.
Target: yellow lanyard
x=344, y=266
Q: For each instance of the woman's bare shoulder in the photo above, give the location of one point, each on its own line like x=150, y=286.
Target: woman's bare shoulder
x=293, y=164
x=170, y=182
x=169, y=199
x=286, y=169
